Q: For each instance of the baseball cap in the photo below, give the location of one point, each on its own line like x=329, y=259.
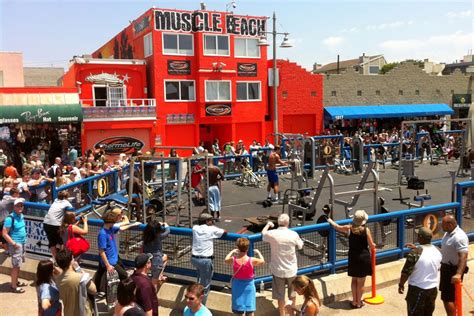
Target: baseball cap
x=425, y=233
x=142, y=259
x=360, y=218
x=18, y=201
x=205, y=217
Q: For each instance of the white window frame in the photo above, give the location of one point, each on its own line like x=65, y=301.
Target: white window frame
x=217, y=48
x=179, y=92
x=108, y=99
x=251, y=100
x=230, y=92
x=177, y=34
x=148, y=45
x=246, y=48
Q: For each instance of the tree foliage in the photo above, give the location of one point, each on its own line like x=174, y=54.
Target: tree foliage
x=387, y=67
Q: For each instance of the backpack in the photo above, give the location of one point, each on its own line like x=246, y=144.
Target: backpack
x=3, y=222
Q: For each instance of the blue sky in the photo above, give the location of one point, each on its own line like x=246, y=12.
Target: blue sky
x=52, y=32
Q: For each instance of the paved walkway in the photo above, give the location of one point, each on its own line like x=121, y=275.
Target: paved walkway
x=26, y=304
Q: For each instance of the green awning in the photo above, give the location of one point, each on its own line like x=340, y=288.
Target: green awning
x=30, y=114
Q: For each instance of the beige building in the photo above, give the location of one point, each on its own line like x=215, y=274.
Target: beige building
x=365, y=65
x=43, y=76
x=11, y=69
x=405, y=84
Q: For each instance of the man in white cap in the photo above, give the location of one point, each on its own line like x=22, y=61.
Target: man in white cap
x=14, y=232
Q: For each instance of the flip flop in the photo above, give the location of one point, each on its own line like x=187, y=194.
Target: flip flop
x=353, y=306
x=17, y=290
x=21, y=284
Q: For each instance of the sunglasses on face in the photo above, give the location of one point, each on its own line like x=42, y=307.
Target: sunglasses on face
x=189, y=298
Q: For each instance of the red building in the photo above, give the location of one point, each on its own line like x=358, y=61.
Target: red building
x=179, y=77
x=113, y=94
x=205, y=70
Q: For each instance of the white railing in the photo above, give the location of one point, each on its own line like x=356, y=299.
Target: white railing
x=118, y=102
x=94, y=109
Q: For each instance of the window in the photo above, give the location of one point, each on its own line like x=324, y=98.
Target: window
x=248, y=91
x=333, y=93
x=438, y=91
x=400, y=92
x=359, y=93
x=179, y=90
x=377, y=92
x=147, y=45
x=218, y=91
x=452, y=91
x=374, y=70
x=178, y=44
x=246, y=47
x=314, y=94
x=417, y=92
x=284, y=94
x=216, y=45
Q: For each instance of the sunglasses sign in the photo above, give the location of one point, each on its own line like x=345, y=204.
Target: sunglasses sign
x=214, y=22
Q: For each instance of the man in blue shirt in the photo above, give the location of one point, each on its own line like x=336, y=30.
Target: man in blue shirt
x=14, y=232
x=194, y=306
x=109, y=259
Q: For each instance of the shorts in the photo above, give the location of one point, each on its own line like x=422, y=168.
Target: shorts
x=18, y=255
x=272, y=176
x=419, y=301
x=445, y=286
x=53, y=235
x=278, y=288
x=156, y=266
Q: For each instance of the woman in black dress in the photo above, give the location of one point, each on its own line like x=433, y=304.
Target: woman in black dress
x=359, y=266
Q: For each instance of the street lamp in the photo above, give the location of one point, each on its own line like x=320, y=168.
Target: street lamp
x=285, y=44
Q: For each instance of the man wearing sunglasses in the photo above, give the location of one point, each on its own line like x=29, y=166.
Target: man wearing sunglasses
x=194, y=306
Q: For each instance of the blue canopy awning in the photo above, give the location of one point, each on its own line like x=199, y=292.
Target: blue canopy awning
x=386, y=111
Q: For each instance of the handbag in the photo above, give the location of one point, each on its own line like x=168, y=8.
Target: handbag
x=77, y=244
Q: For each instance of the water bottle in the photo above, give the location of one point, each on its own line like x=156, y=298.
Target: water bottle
x=262, y=286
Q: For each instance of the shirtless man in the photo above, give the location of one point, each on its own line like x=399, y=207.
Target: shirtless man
x=273, y=160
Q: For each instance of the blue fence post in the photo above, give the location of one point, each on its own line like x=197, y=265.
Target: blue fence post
x=459, y=200
x=401, y=234
x=332, y=249
x=116, y=173
x=54, y=191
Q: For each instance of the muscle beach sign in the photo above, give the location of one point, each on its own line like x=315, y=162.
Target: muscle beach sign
x=209, y=22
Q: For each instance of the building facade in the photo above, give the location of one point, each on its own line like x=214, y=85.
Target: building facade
x=405, y=84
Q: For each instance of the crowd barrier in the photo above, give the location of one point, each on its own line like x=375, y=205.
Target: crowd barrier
x=324, y=249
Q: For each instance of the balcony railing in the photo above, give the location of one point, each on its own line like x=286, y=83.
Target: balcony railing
x=94, y=109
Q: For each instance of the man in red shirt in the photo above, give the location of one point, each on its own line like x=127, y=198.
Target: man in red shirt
x=146, y=293
x=10, y=171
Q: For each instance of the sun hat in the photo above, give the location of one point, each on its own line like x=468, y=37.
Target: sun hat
x=204, y=217
x=360, y=218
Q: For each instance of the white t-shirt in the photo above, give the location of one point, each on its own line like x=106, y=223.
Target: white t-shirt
x=282, y=242
x=452, y=243
x=56, y=212
x=203, y=236
x=425, y=273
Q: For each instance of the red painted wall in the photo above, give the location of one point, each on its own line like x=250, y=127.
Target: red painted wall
x=300, y=99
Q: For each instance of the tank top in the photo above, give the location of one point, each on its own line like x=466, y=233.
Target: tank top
x=244, y=271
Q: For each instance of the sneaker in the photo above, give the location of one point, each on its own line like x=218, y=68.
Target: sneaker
x=100, y=295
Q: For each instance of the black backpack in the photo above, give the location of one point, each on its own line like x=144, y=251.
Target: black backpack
x=3, y=222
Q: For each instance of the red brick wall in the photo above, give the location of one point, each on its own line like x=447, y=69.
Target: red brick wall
x=300, y=99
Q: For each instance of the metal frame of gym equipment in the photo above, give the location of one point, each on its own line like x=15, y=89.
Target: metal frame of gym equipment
x=333, y=196
x=463, y=146
x=180, y=182
x=314, y=147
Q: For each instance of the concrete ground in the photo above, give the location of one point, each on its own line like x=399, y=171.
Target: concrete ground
x=26, y=304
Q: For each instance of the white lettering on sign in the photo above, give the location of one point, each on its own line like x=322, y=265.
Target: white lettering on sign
x=339, y=117
x=36, y=240
x=30, y=117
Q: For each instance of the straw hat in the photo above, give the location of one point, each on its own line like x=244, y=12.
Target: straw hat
x=360, y=218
